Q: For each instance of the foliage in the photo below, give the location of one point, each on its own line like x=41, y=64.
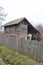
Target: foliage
x=12, y=57
x=2, y=14
x=2, y=63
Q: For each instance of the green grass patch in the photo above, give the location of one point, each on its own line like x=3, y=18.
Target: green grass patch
x=13, y=57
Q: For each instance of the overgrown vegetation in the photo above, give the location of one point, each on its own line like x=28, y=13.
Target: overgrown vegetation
x=9, y=56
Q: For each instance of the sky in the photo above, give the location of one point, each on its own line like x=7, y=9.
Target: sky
x=31, y=9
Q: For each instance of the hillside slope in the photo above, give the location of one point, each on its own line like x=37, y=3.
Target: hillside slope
x=11, y=57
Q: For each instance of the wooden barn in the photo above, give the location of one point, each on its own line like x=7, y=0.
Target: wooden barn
x=19, y=26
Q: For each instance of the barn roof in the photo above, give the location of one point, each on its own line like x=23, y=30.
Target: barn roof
x=14, y=22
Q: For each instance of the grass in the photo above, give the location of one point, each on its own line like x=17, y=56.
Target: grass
x=13, y=57
x=2, y=63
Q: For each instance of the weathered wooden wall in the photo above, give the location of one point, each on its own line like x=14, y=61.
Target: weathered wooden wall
x=20, y=28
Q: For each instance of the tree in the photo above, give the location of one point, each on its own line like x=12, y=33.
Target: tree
x=40, y=28
x=2, y=16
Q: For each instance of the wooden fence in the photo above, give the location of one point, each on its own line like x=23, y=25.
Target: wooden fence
x=32, y=48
